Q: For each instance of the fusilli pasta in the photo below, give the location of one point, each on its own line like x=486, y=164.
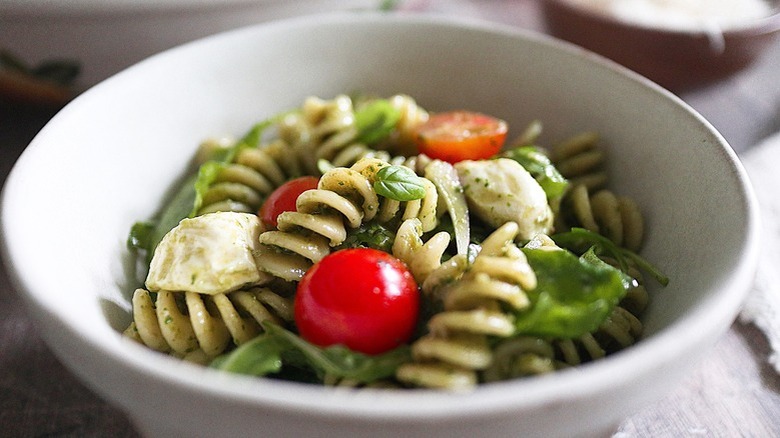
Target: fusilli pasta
x=616, y=217
x=463, y=231
x=198, y=326
x=456, y=347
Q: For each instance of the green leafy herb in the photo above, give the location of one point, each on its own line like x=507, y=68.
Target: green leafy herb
x=541, y=168
x=399, y=183
x=207, y=174
x=581, y=240
x=376, y=121
x=209, y=170
x=145, y=236
x=269, y=353
x=259, y=357
x=141, y=235
x=370, y=235
x=573, y=295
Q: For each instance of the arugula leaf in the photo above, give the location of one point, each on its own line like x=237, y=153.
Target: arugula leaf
x=339, y=361
x=207, y=174
x=580, y=240
x=270, y=352
x=145, y=236
x=541, y=168
x=573, y=295
x=259, y=357
x=399, y=183
x=376, y=121
x=209, y=170
x=140, y=235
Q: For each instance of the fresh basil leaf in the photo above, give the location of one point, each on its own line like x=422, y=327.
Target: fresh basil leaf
x=376, y=121
x=399, y=183
x=573, y=296
x=541, y=168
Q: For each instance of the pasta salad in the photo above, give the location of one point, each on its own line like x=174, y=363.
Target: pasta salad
x=367, y=242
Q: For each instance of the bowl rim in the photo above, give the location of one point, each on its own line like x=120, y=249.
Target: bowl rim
x=762, y=26
x=506, y=396
x=54, y=9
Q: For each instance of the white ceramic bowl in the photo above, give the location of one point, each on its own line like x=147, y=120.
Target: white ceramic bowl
x=105, y=36
x=109, y=157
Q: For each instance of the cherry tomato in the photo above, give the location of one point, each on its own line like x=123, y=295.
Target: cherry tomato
x=283, y=198
x=362, y=298
x=461, y=135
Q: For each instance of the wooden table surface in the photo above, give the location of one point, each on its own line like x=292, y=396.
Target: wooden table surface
x=731, y=393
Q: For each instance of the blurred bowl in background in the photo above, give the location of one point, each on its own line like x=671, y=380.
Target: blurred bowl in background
x=677, y=51
x=105, y=36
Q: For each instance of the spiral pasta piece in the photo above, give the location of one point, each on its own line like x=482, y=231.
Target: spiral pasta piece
x=421, y=257
x=411, y=117
x=322, y=130
x=203, y=326
x=457, y=343
x=326, y=129
x=242, y=186
x=527, y=355
x=521, y=356
x=580, y=160
x=616, y=217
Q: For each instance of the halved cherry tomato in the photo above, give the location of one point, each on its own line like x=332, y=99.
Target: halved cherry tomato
x=461, y=135
x=283, y=198
x=362, y=298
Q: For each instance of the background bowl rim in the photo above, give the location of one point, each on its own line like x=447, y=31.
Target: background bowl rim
x=54, y=9
x=761, y=26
